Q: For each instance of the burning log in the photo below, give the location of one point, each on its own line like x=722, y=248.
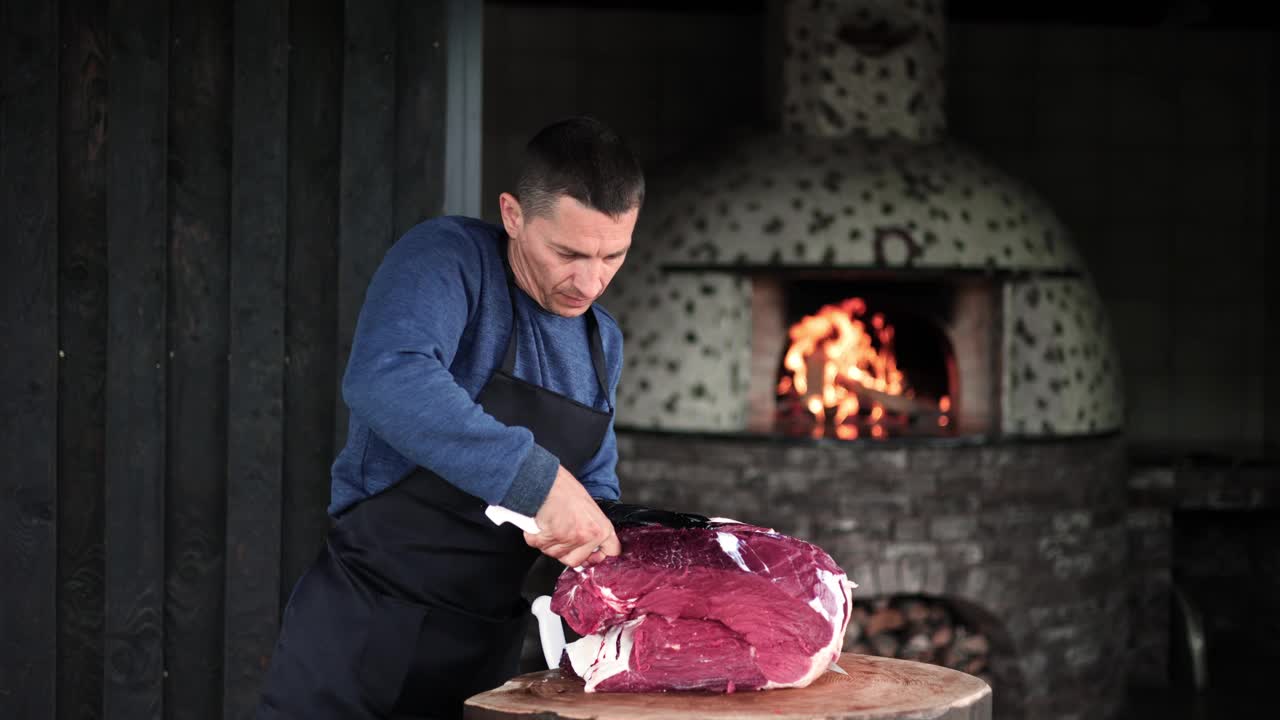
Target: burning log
x=900, y=404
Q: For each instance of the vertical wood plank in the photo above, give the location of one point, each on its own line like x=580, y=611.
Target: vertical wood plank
x=137, y=225
x=82, y=330
x=255, y=373
x=464, y=127
x=1271, y=253
x=29, y=369
x=315, y=108
x=367, y=174
x=421, y=60
x=199, y=207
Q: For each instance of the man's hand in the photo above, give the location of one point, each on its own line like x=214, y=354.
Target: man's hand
x=573, y=529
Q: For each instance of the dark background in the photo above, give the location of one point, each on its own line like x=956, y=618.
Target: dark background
x=193, y=196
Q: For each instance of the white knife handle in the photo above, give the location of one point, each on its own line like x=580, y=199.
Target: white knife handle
x=499, y=515
x=550, y=631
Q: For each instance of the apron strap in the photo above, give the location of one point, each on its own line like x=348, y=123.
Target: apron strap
x=597, y=354
x=509, y=360
x=593, y=329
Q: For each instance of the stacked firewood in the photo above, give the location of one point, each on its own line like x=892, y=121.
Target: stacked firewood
x=920, y=629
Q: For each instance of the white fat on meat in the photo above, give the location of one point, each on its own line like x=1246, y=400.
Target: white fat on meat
x=598, y=657
x=830, y=586
x=613, y=601
x=729, y=544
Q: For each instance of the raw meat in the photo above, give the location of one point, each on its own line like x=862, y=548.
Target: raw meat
x=723, y=607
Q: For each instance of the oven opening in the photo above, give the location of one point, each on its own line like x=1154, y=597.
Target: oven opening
x=857, y=356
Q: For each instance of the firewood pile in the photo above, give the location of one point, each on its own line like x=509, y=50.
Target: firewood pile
x=917, y=628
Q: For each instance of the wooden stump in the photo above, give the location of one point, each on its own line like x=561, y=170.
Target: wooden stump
x=876, y=688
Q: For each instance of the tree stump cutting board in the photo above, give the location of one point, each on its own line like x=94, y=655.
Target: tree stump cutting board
x=876, y=688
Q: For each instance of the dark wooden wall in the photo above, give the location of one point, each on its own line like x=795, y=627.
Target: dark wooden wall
x=194, y=197
x=1271, y=255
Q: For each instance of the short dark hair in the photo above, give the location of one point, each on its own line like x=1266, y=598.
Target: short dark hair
x=583, y=158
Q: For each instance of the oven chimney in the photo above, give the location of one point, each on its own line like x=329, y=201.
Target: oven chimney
x=871, y=67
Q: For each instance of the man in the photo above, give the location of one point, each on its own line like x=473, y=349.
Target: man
x=480, y=374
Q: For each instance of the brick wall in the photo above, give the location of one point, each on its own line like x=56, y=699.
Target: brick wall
x=1033, y=535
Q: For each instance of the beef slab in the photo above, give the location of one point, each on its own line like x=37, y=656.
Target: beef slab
x=725, y=607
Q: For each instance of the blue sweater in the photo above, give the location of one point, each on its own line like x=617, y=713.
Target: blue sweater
x=433, y=329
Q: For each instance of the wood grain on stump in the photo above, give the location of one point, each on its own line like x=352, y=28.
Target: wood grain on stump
x=876, y=688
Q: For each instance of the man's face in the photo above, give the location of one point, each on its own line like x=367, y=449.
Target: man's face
x=565, y=259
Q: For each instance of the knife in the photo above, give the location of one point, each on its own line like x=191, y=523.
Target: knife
x=499, y=515
x=550, y=631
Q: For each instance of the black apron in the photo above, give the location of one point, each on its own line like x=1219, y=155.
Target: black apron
x=414, y=604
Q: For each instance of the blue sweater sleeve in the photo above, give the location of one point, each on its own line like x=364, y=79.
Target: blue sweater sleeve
x=398, y=381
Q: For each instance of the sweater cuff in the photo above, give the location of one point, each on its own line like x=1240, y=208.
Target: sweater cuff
x=532, y=482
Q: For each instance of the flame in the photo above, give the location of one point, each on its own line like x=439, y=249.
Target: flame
x=833, y=355
x=815, y=406
x=848, y=407
x=847, y=348
x=784, y=385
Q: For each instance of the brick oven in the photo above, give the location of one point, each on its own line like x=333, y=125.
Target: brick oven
x=861, y=333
